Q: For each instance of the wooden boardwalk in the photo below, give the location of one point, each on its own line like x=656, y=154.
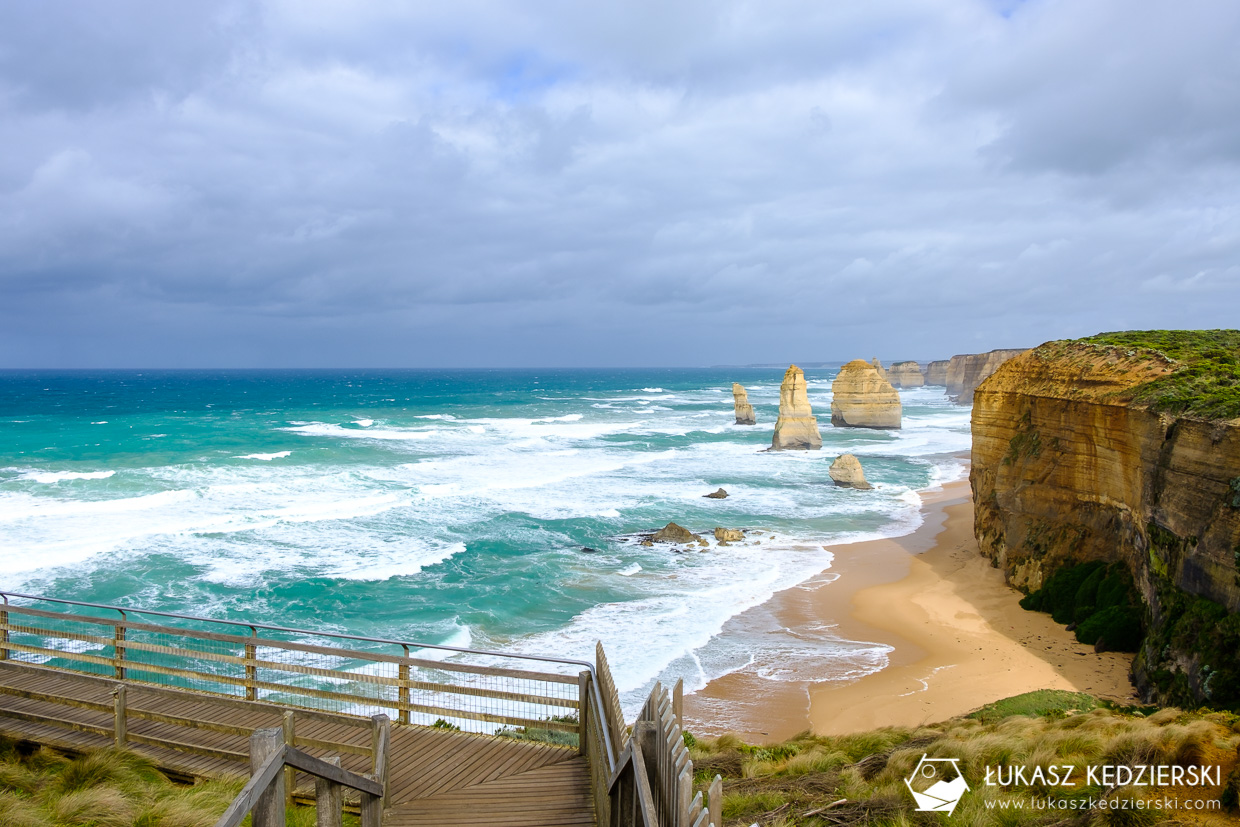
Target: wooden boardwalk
x=436, y=778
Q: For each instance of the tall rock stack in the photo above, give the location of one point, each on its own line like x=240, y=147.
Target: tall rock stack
x=744, y=411
x=936, y=372
x=797, y=428
x=861, y=398
x=878, y=366
x=905, y=375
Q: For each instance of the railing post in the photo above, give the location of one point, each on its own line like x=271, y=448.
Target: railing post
x=288, y=731
x=120, y=725
x=678, y=702
x=4, y=631
x=118, y=647
x=583, y=709
x=402, y=692
x=251, y=668
x=328, y=801
x=269, y=808
x=714, y=801
x=380, y=738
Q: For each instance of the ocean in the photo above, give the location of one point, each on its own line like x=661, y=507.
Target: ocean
x=493, y=509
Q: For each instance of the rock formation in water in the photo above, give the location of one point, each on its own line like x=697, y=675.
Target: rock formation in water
x=740, y=401
x=718, y=494
x=729, y=535
x=967, y=371
x=860, y=398
x=936, y=372
x=672, y=533
x=905, y=375
x=796, y=429
x=1123, y=449
x=878, y=366
x=847, y=473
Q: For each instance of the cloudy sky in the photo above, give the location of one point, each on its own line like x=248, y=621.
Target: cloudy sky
x=310, y=183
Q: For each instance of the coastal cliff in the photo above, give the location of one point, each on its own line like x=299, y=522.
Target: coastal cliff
x=966, y=371
x=1124, y=448
x=936, y=372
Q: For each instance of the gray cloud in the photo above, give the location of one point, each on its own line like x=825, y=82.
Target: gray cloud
x=330, y=183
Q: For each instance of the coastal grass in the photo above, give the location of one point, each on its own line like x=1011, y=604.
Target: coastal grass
x=821, y=781
x=1205, y=377
x=111, y=788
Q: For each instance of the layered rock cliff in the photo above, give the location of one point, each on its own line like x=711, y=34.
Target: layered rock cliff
x=861, y=398
x=905, y=375
x=936, y=372
x=967, y=371
x=796, y=429
x=740, y=402
x=1125, y=448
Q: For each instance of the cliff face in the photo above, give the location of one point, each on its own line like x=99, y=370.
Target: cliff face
x=1073, y=463
x=905, y=375
x=967, y=371
x=862, y=398
x=796, y=429
x=936, y=372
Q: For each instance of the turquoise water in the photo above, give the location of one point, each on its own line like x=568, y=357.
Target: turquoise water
x=492, y=509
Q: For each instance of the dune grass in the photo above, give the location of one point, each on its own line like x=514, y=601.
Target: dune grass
x=110, y=788
x=859, y=779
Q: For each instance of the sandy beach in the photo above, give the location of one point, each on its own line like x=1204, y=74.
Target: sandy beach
x=958, y=639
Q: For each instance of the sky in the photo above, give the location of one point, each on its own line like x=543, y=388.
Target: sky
x=322, y=183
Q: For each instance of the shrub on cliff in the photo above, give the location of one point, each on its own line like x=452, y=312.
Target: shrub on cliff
x=1098, y=598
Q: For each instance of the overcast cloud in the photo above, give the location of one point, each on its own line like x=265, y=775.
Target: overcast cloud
x=311, y=183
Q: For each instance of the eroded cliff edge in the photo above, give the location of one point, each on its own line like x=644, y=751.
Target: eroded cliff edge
x=1125, y=448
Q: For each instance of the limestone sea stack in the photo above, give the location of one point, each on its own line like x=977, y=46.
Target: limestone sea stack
x=861, y=398
x=878, y=366
x=744, y=411
x=847, y=473
x=936, y=372
x=967, y=371
x=905, y=375
x=796, y=429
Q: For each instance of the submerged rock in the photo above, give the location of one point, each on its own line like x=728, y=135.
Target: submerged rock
x=847, y=473
x=797, y=428
x=740, y=402
x=717, y=495
x=672, y=533
x=861, y=398
x=729, y=535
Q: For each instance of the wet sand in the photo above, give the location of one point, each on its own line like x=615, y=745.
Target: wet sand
x=958, y=639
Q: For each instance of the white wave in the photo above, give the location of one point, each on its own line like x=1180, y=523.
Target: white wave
x=101, y=422
x=265, y=457
x=327, y=430
x=364, y=423
x=566, y=418
x=49, y=477
x=652, y=390
x=436, y=416
x=629, y=571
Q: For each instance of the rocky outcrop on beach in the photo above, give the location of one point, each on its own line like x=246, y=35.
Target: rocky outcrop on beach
x=1108, y=449
x=966, y=371
x=718, y=494
x=936, y=372
x=796, y=429
x=673, y=533
x=740, y=402
x=861, y=398
x=905, y=375
x=846, y=471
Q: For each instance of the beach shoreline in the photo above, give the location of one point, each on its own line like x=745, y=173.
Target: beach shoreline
x=957, y=636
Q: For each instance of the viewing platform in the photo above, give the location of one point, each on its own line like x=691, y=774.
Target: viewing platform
x=419, y=734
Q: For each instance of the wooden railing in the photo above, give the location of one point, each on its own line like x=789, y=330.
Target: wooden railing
x=266, y=794
x=647, y=779
x=351, y=675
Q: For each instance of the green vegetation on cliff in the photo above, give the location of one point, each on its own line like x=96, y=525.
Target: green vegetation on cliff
x=815, y=781
x=1205, y=377
x=1098, y=599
